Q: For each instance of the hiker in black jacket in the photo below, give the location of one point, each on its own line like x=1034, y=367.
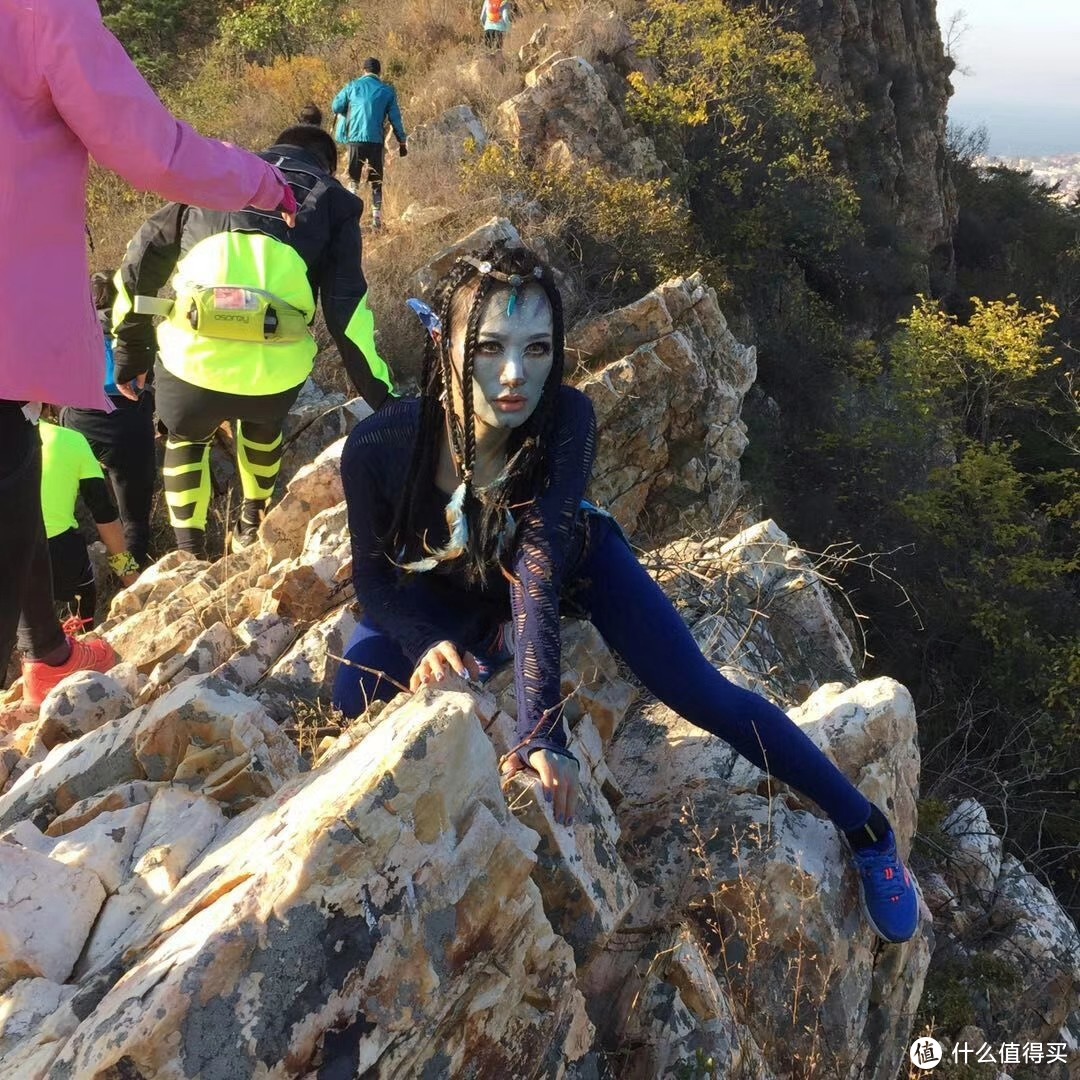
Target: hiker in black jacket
x=237, y=343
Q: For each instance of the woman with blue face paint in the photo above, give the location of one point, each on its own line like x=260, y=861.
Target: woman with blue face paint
x=470, y=536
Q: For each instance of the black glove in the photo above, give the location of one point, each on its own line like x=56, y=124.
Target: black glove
x=131, y=361
x=403, y=150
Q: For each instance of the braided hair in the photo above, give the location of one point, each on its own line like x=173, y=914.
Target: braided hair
x=461, y=295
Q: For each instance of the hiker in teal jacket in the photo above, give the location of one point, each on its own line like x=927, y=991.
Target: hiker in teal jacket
x=496, y=16
x=364, y=108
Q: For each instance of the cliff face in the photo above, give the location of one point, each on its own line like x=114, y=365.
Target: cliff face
x=886, y=60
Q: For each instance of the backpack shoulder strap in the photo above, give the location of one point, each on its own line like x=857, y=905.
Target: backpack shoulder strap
x=319, y=185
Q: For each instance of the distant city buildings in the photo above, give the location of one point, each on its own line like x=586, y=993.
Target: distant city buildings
x=1061, y=169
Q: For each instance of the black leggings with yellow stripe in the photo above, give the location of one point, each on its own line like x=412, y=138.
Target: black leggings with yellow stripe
x=191, y=416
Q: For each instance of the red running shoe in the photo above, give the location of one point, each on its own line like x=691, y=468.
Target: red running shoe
x=88, y=654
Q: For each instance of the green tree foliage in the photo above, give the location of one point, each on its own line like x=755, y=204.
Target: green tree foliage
x=156, y=33
x=931, y=449
x=738, y=104
x=625, y=235
x=1002, y=569
x=735, y=108
x=977, y=373
x=266, y=29
x=927, y=444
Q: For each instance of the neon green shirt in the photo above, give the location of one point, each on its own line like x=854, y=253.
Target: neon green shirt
x=66, y=458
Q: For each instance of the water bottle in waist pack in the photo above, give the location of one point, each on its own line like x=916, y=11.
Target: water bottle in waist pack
x=110, y=369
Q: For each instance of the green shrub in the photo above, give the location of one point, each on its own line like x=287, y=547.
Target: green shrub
x=621, y=235
x=953, y=987
x=157, y=33
x=737, y=108
x=978, y=372
x=265, y=29
x=946, y=1001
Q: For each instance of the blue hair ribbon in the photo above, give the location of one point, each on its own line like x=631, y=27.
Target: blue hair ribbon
x=432, y=322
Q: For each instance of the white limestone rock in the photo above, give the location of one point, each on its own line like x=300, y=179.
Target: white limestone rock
x=81, y=704
x=306, y=672
x=975, y=861
x=46, y=912
x=207, y=735
x=348, y=923
x=315, y=487
x=36, y=1018
x=103, y=845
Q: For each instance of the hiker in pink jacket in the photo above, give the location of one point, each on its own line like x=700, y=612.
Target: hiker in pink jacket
x=68, y=90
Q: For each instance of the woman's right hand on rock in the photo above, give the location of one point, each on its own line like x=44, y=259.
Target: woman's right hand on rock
x=441, y=661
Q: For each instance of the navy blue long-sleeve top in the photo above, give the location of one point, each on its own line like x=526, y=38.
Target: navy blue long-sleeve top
x=413, y=608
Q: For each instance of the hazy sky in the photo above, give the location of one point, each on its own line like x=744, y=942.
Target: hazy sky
x=1024, y=61
x=1017, y=52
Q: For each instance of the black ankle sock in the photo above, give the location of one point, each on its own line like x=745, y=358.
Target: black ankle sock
x=251, y=513
x=872, y=832
x=191, y=540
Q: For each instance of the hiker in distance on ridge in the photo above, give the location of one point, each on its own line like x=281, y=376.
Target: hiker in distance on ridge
x=364, y=108
x=496, y=16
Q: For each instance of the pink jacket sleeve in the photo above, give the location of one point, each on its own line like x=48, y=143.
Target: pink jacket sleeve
x=117, y=116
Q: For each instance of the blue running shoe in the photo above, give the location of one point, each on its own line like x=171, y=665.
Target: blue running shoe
x=889, y=898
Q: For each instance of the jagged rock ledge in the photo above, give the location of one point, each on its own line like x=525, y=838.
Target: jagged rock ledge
x=184, y=893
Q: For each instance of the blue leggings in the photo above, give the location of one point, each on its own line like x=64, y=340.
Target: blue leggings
x=640, y=624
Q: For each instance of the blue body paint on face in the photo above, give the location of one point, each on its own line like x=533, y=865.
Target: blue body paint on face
x=513, y=357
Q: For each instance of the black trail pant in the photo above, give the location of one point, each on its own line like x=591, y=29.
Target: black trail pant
x=192, y=415
x=26, y=600
x=370, y=154
x=123, y=441
x=74, y=588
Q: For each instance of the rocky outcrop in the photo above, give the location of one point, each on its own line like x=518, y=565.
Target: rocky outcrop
x=496, y=231
x=566, y=116
x=975, y=856
x=205, y=872
x=80, y=706
x=350, y=924
x=887, y=62
x=667, y=380
x=752, y=885
x=354, y=916
x=395, y=911
x=884, y=61
x=46, y=911
x=202, y=734
x=1008, y=956
x=452, y=134
x=760, y=609
x=37, y=1017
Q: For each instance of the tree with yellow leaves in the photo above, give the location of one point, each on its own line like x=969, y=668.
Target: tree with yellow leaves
x=995, y=364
